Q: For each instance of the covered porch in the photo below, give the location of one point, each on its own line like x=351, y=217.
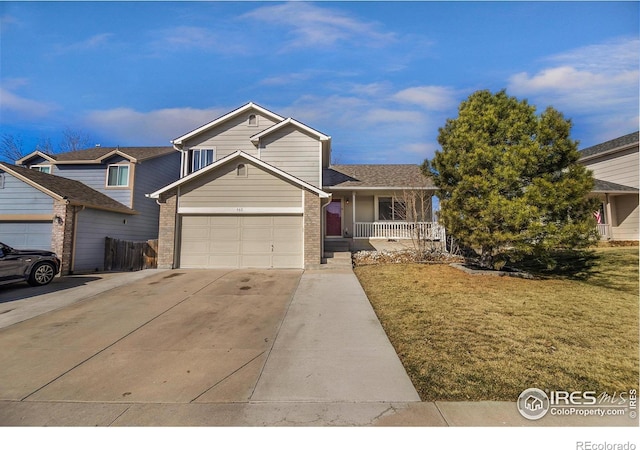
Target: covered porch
x=379, y=214
x=617, y=217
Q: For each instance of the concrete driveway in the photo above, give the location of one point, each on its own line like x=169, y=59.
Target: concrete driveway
x=175, y=337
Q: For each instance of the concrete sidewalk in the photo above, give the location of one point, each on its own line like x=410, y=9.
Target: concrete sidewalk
x=332, y=348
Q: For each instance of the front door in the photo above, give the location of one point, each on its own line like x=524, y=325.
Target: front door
x=334, y=218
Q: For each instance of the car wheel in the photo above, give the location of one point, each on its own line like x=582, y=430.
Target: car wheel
x=41, y=274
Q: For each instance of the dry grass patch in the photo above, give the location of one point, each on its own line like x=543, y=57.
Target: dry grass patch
x=466, y=337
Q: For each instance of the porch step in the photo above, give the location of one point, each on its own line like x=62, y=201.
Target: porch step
x=335, y=260
x=336, y=246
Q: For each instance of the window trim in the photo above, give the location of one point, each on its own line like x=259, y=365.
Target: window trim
x=199, y=149
x=249, y=124
x=118, y=186
x=394, y=200
x=38, y=167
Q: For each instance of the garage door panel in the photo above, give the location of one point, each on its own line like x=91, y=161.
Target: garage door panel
x=255, y=261
x=26, y=235
x=230, y=247
x=223, y=234
x=222, y=261
x=242, y=241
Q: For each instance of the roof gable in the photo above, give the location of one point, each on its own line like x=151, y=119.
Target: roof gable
x=241, y=155
x=289, y=121
x=61, y=188
x=214, y=123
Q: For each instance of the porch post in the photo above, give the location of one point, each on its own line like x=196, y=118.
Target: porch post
x=610, y=218
x=353, y=214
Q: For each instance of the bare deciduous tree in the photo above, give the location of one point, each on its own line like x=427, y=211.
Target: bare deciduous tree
x=11, y=148
x=73, y=140
x=414, y=206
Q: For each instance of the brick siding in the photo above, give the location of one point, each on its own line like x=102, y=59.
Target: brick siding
x=312, y=231
x=167, y=230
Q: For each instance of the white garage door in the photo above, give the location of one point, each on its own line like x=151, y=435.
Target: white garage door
x=241, y=241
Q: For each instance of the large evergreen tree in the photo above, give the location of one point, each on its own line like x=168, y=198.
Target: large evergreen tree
x=509, y=179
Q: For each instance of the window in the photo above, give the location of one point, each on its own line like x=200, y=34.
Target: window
x=43, y=169
x=201, y=157
x=241, y=170
x=253, y=120
x=118, y=176
x=390, y=209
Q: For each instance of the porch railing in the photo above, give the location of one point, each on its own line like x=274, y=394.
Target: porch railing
x=603, y=230
x=400, y=230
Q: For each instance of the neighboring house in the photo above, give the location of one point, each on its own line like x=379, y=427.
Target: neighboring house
x=257, y=190
x=615, y=166
x=70, y=202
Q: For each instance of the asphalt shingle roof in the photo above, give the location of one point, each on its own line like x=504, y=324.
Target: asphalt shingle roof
x=608, y=186
x=375, y=175
x=622, y=141
x=76, y=192
x=91, y=154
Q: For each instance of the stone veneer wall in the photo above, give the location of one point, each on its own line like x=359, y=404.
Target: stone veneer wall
x=62, y=233
x=167, y=230
x=312, y=231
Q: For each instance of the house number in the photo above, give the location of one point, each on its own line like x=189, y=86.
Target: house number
x=239, y=209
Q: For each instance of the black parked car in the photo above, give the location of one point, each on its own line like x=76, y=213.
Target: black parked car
x=37, y=267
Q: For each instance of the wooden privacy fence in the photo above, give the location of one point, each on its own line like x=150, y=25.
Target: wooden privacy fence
x=130, y=256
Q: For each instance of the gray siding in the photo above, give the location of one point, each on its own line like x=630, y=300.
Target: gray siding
x=294, y=152
x=222, y=188
x=232, y=135
x=626, y=218
x=621, y=168
x=150, y=176
x=92, y=228
x=17, y=197
x=95, y=176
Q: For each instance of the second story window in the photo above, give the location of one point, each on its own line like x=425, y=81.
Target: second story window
x=118, y=175
x=201, y=157
x=43, y=169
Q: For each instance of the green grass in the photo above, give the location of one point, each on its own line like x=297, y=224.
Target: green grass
x=465, y=337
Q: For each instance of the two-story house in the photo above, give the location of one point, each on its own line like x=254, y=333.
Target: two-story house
x=69, y=202
x=615, y=166
x=258, y=190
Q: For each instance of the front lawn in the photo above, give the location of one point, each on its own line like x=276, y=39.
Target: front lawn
x=466, y=337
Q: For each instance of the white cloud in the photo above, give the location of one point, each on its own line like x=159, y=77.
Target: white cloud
x=432, y=98
x=91, y=43
x=598, y=83
x=314, y=26
x=194, y=38
x=127, y=126
x=13, y=107
x=387, y=115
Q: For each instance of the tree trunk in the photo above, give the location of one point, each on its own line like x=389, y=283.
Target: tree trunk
x=486, y=257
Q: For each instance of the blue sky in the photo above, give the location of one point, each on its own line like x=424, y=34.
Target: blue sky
x=379, y=77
